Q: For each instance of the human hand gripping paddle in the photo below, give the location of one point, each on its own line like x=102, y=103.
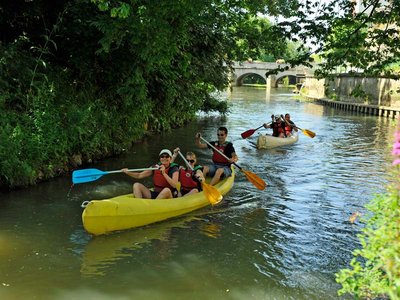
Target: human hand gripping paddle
x=306, y=132
x=88, y=175
x=211, y=192
x=253, y=178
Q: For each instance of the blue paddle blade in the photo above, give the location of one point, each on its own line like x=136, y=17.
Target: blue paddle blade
x=86, y=175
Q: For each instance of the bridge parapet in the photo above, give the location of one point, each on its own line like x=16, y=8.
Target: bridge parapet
x=258, y=65
x=243, y=69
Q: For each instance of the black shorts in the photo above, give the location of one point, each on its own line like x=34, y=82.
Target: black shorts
x=154, y=194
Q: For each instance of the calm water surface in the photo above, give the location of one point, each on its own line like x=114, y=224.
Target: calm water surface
x=286, y=242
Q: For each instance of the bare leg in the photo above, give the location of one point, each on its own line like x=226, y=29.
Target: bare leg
x=140, y=191
x=217, y=176
x=205, y=170
x=193, y=191
x=165, y=194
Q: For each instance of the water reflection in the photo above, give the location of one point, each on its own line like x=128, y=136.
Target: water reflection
x=102, y=252
x=285, y=242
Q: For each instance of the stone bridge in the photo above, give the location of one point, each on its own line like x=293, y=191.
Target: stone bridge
x=244, y=69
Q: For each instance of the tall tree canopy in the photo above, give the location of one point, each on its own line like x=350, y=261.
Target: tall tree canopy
x=90, y=77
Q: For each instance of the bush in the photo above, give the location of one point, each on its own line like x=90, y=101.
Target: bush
x=375, y=268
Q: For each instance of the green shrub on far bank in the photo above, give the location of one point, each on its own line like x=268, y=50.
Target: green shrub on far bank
x=56, y=133
x=59, y=122
x=78, y=84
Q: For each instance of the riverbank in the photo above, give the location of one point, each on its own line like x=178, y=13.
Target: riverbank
x=375, y=110
x=378, y=96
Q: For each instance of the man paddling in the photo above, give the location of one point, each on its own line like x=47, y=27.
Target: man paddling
x=221, y=167
x=290, y=126
x=278, y=127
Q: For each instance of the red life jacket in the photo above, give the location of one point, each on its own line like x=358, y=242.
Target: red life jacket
x=288, y=129
x=159, y=181
x=186, y=179
x=218, y=158
x=277, y=129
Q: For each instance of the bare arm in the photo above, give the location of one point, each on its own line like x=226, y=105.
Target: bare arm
x=267, y=125
x=198, y=142
x=171, y=181
x=176, y=150
x=289, y=124
x=138, y=175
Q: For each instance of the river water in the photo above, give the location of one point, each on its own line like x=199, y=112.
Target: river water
x=286, y=242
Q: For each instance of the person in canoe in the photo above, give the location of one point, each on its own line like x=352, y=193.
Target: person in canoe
x=277, y=125
x=189, y=177
x=165, y=179
x=221, y=167
x=289, y=125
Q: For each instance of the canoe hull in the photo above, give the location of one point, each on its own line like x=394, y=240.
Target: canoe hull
x=265, y=141
x=126, y=211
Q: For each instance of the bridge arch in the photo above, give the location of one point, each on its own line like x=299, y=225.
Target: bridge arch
x=293, y=78
x=243, y=69
x=241, y=78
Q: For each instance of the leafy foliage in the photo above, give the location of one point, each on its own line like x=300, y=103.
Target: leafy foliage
x=375, y=268
x=83, y=82
x=91, y=77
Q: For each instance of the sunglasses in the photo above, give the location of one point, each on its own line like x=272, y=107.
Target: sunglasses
x=191, y=160
x=164, y=156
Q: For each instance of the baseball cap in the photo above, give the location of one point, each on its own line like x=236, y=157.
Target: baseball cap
x=165, y=151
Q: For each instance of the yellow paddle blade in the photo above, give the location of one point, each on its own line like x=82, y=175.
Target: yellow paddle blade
x=254, y=179
x=178, y=186
x=308, y=133
x=212, y=194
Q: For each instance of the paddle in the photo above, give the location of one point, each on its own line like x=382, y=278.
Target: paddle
x=88, y=175
x=250, y=132
x=211, y=192
x=306, y=132
x=253, y=178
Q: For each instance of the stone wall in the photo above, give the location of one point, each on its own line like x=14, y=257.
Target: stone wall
x=314, y=88
x=355, y=89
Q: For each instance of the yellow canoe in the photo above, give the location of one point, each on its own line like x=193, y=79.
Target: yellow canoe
x=126, y=211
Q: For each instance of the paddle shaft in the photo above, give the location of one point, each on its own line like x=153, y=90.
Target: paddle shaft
x=184, y=159
x=258, y=128
x=96, y=172
x=212, y=194
x=250, y=132
x=88, y=175
x=253, y=178
x=220, y=152
x=132, y=170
